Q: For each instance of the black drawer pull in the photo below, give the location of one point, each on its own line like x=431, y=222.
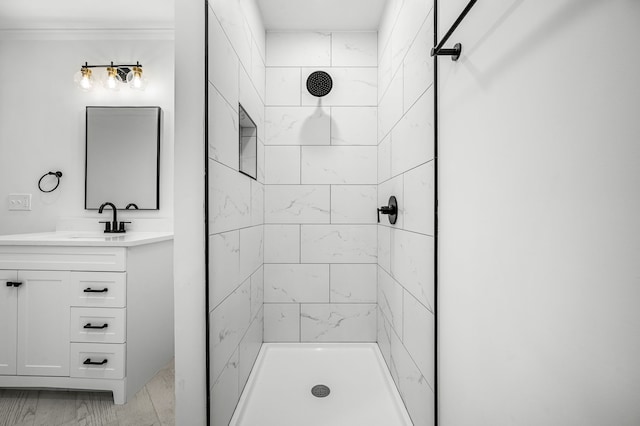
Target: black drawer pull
x=89, y=362
x=99, y=327
x=90, y=290
x=14, y=283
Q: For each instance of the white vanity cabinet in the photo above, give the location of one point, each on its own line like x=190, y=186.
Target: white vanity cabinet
x=8, y=323
x=93, y=314
x=35, y=323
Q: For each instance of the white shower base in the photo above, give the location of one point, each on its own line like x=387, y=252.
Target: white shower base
x=278, y=392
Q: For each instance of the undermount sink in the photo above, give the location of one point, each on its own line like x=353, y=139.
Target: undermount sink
x=95, y=237
x=92, y=237
x=61, y=236
x=80, y=238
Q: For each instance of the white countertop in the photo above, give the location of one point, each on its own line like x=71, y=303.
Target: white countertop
x=91, y=239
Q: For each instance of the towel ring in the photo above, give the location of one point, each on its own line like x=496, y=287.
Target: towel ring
x=58, y=175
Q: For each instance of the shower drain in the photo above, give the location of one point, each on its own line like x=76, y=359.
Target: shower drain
x=320, y=391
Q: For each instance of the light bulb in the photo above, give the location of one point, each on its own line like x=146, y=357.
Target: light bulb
x=84, y=79
x=112, y=80
x=135, y=79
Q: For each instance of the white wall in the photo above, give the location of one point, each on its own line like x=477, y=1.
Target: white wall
x=190, y=237
x=320, y=197
x=406, y=323
x=42, y=118
x=539, y=214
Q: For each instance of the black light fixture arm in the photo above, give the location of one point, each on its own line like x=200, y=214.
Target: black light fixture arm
x=122, y=69
x=457, y=48
x=112, y=65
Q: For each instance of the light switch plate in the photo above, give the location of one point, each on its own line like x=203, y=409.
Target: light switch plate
x=19, y=201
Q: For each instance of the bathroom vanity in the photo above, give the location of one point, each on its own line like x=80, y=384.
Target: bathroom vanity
x=85, y=311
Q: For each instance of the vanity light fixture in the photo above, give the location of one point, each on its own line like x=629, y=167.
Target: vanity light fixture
x=135, y=79
x=111, y=80
x=116, y=75
x=84, y=79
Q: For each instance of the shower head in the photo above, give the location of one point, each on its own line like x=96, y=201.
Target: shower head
x=319, y=84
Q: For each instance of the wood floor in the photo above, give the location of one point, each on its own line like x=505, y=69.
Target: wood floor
x=153, y=405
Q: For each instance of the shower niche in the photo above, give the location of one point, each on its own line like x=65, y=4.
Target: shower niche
x=248, y=144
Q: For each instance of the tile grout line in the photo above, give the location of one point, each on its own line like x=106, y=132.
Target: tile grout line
x=300, y=260
x=300, y=322
x=331, y=49
x=300, y=84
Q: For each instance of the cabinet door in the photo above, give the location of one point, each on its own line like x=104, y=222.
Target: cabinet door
x=8, y=322
x=43, y=323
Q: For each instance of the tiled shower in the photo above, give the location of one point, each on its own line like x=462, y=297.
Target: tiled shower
x=297, y=255
x=320, y=193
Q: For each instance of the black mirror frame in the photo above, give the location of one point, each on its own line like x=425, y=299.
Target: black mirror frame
x=86, y=152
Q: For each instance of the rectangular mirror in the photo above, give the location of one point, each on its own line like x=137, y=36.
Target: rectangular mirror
x=122, y=157
x=248, y=144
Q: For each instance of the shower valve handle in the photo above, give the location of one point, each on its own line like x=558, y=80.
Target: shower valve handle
x=391, y=210
x=386, y=210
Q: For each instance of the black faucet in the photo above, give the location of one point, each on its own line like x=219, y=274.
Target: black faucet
x=131, y=205
x=113, y=226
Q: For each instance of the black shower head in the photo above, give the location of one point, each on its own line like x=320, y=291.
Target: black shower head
x=319, y=83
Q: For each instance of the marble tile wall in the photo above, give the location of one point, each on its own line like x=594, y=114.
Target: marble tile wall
x=321, y=178
x=297, y=256
x=236, y=202
x=405, y=251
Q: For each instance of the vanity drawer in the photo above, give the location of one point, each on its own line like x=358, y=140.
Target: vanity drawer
x=99, y=289
x=98, y=325
x=97, y=360
x=63, y=258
